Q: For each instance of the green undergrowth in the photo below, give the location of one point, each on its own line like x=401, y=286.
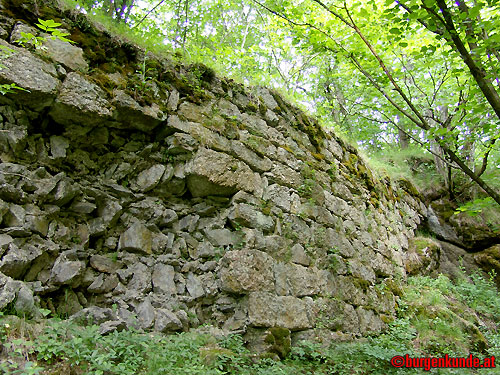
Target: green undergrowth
x=117, y=30
x=435, y=317
x=96, y=19
x=412, y=164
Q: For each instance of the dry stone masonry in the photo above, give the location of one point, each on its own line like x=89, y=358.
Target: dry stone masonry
x=183, y=199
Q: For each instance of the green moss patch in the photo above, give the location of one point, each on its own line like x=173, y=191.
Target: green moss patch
x=280, y=341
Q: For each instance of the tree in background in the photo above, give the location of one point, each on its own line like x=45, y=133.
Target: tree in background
x=380, y=43
x=406, y=73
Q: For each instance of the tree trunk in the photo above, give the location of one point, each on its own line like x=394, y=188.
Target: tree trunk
x=403, y=139
x=413, y=113
x=439, y=155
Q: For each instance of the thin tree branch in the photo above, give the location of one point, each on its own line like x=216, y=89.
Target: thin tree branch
x=485, y=158
x=149, y=12
x=419, y=20
x=419, y=120
x=475, y=68
x=375, y=84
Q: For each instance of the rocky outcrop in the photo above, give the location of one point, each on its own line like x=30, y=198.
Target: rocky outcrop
x=472, y=231
x=461, y=240
x=186, y=199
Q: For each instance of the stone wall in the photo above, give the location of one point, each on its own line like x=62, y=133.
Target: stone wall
x=182, y=198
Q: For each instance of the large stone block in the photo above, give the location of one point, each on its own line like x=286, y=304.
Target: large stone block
x=30, y=73
x=223, y=237
x=129, y=114
x=105, y=264
x=244, y=271
x=194, y=286
x=80, y=101
x=267, y=98
x=149, y=178
x=280, y=196
x=67, y=272
x=137, y=238
x=335, y=315
x=215, y=173
x=361, y=271
x=16, y=261
x=65, y=53
x=369, y=322
x=93, y=315
x=269, y=310
x=167, y=321
x=249, y=216
x=163, y=279
x=8, y=290
x=255, y=162
x=103, y=284
x=284, y=175
x=145, y=314
x=297, y=280
x=141, y=279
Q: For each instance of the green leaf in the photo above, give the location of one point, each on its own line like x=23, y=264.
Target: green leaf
x=27, y=35
x=441, y=132
x=10, y=88
x=364, y=13
x=49, y=23
x=476, y=206
x=59, y=33
x=44, y=312
x=395, y=30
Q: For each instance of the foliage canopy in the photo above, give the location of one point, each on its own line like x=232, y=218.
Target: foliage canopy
x=388, y=74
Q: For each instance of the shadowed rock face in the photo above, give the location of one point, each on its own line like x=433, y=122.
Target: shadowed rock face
x=186, y=202
x=472, y=232
x=461, y=240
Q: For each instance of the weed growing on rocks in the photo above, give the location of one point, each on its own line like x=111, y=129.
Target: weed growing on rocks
x=435, y=316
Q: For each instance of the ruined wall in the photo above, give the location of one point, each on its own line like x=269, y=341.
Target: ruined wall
x=181, y=198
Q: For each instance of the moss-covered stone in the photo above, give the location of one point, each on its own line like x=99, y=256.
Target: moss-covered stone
x=311, y=127
x=211, y=354
x=394, y=287
x=304, y=220
x=252, y=107
x=374, y=202
x=257, y=144
x=280, y=340
x=387, y=319
x=103, y=81
x=318, y=156
x=203, y=72
x=408, y=186
x=360, y=283
x=188, y=86
x=489, y=261
x=269, y=355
